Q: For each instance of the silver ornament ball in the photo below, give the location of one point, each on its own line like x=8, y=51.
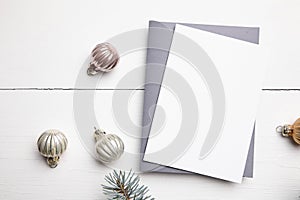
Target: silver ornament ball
x=51, y=144
x=108, y=147
x=104, y=58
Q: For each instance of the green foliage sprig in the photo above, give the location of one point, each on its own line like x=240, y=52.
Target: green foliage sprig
x=122, y=186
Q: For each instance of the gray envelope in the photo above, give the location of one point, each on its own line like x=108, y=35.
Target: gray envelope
x=159, y=42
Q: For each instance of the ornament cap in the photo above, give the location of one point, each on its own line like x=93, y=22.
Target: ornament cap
x=98, y=133
x=285, y=130
x=53, y=161
x=292, y=131
x=91, y=71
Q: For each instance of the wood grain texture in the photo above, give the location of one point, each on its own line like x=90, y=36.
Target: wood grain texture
x=44, y=48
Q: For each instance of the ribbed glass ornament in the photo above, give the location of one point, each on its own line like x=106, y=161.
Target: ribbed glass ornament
x=108, y=147
x=104, y=58
x=51, y=144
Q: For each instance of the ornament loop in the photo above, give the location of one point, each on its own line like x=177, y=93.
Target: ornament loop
x=279, y=129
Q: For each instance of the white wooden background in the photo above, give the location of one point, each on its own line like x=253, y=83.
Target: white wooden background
x=44, y=44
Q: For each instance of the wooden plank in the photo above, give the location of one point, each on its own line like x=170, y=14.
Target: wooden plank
x=46, y=44
x=24, y=173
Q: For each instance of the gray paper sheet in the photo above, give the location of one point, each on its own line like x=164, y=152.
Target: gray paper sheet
x=159, y=40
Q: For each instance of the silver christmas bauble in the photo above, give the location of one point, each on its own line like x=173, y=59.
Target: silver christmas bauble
x=109, y=147
x=104, y=58
x=51, y=144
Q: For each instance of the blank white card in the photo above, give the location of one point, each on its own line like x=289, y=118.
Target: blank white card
x=207, y=104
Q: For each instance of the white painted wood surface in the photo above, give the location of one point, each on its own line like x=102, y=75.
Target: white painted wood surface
x=24, y=174
x=44, y=44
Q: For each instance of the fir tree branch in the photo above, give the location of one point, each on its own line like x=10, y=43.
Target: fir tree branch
x=124, y=186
